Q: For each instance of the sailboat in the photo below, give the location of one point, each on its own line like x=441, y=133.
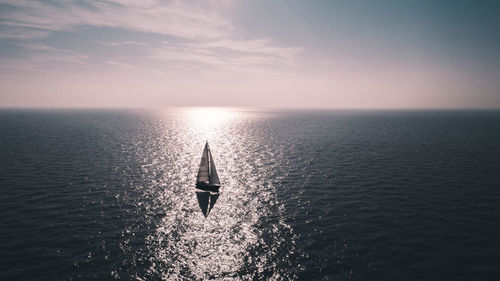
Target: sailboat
x=207, y=178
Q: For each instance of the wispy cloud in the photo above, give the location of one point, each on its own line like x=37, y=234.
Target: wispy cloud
x=258, y=47
x=124, y=43
x=126, y=66
x=74, y=56
x=196, y=35
x=228, y=54
x=174, y=18
x=37, y=59
x=15, y=32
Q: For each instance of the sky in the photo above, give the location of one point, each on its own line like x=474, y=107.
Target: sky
x=275, y=54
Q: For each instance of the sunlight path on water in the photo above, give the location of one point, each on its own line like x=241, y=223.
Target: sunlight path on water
x=231, y=243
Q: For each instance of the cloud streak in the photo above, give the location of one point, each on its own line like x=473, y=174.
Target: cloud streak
x=173, y=18
x=228, y=54
x=196, y=36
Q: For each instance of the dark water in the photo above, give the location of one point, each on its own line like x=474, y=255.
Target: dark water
x=96, y=195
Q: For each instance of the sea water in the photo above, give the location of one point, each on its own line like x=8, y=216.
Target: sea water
x=306, y=195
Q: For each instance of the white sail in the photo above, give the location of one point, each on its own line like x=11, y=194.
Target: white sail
x=203, y=171
x=214, y=177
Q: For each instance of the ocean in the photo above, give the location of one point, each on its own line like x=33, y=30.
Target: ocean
x=306, y=195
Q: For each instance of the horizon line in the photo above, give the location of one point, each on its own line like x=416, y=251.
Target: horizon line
x=251, y=108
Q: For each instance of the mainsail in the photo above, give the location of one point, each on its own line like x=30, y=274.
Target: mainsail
x=204, y=170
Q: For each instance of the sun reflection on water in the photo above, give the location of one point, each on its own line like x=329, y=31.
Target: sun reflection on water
x=243, y=231
x=208, y=121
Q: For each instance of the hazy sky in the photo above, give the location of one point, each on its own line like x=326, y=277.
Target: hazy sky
x=320, y=54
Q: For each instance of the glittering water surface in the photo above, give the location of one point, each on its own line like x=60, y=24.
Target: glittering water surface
x=90, y=195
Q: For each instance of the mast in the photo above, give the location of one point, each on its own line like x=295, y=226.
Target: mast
x=208, y=159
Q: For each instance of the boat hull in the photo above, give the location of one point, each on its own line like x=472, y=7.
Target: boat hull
x=207, y=187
